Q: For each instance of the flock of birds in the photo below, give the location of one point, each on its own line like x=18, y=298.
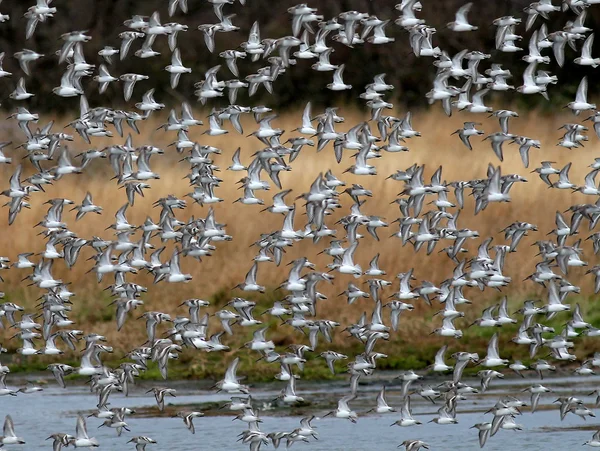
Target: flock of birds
x=312, y=37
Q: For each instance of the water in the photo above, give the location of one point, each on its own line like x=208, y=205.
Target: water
x=38, y=415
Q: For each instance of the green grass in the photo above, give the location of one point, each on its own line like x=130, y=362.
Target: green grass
x=406, y=349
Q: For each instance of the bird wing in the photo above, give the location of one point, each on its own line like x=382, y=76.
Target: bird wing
x=9, y=427
x=439, y=356
x=586, y=50
x=81, y=429
x=176, y=58
x=231, y=370
x=493, y=347
x=461, y=14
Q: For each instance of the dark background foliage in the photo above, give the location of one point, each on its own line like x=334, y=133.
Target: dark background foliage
x=410, y=75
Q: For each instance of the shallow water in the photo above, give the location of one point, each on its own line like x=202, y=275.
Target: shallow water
x=38, y=415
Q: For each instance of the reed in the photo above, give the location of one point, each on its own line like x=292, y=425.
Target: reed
x=214, y=277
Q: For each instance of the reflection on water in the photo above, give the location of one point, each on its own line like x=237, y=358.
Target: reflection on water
x=38, y=415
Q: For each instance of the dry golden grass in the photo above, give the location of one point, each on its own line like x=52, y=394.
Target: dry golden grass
x=532, y=202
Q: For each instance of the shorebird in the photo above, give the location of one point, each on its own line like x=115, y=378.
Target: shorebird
x=297, y=317
x=176, y=68
x=9, y=437
x=595, y=440
x=82, y=439
x=382, y=405
x=188, y=418
x=461, y=22
x=343, y=410
x=406, y=418
x=230, y=382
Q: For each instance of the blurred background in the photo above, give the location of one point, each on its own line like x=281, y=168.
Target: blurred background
x=411, y=76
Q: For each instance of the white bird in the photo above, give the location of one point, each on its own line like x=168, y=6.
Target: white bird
x=382, y=405
x=338, y=82
x=581, y=104
x=103, y=78
x=9, y=437
x=69, y=84
x=175, y=274
x=20, y=92
x=406, y=418
x=176, y=68
x=230, y=382
x=493, y=356
x=343, y=410
x=586, y=58
x=82, y=439
x=439, y=364
x=461, y=23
